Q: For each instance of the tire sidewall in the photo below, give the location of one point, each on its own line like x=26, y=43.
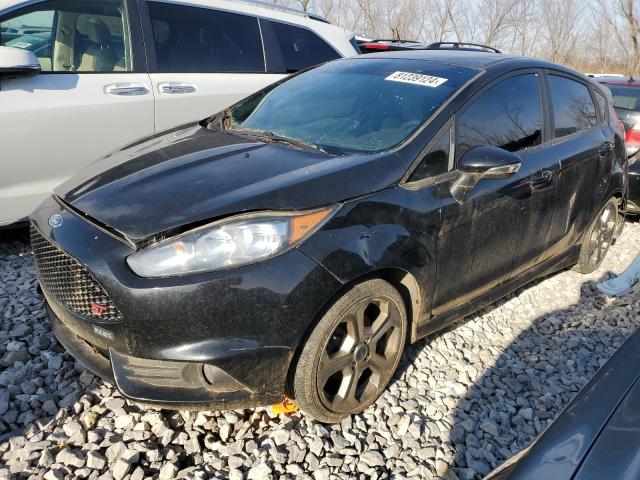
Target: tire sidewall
x=305, y=379
x=584, y=262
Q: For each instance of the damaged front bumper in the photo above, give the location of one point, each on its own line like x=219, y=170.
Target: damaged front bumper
x=218, y=340
x=176, y=384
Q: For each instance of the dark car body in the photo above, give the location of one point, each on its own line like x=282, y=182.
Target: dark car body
x=626, y=102
x=597, y=435
x=230, y=337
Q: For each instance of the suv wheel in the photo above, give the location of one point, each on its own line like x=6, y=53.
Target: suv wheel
x=352, y=352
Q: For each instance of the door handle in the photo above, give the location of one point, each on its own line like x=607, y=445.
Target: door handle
x=541, y=178
x=605, y=149
x=127, y=89
x=176, y=88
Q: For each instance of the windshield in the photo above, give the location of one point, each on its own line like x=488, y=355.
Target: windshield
x=625, y=97
x=348, y=106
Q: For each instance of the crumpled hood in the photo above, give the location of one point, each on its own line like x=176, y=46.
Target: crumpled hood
x=191, y=175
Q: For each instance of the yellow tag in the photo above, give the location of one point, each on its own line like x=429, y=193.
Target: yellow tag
x=286, y=406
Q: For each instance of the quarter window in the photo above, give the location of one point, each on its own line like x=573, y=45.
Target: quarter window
x=602, y=106
x=202, y=40
x=507, y=115
x=299, y=48
x=72, y=36
x=573, y=108
x=436, y=161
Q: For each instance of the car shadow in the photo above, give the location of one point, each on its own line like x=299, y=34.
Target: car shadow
x=515, y=395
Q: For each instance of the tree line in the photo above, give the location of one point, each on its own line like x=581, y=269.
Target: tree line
x=589, y=35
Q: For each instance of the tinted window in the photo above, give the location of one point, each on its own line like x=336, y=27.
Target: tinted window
x=507, y=115
x=573, y=108
x=436, y=161
x=202, y=40
x=356, y=105
x=602, y=106
x=71, y=36
x=300, y=48
x=625, y=97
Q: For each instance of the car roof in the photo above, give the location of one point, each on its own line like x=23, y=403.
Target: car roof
x=474, y=59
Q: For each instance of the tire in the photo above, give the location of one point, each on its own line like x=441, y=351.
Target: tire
x=363, y=334
x=599, y=238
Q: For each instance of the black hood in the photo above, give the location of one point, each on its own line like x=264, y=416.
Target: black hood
x=192, y=174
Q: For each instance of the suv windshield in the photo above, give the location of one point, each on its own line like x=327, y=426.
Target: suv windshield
x=351, y=106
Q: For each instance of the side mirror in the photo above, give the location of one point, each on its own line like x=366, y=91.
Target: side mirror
x=483, y=163
x=16, y=62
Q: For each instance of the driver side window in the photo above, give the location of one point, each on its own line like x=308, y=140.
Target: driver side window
x=71, y=36
x=508, y=115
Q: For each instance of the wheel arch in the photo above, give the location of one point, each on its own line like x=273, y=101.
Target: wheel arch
x=400, y=279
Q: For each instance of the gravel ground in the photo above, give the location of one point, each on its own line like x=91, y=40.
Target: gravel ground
x=463, y=401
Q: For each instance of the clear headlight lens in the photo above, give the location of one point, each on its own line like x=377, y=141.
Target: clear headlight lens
x=233, y=242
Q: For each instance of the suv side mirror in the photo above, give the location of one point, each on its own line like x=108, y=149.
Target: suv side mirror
x=16, y=62
x=483, y=162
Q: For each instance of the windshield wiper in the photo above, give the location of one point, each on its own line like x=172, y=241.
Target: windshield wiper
x=271, y=137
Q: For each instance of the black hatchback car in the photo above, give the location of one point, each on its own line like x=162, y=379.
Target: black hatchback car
x=292, y=244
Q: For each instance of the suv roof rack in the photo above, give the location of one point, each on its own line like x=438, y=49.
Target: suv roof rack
x=462, y=46
x=391, y=40
x=396, y=44
x=282, y=8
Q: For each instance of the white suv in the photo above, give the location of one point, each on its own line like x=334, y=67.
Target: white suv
x=111, y=71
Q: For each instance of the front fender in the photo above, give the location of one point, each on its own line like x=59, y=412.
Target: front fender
x=387, y=230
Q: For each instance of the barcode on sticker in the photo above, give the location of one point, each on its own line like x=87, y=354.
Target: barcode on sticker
x=416, y=79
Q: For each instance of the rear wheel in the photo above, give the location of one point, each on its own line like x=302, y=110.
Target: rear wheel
x=599, y=238
x=352, y=353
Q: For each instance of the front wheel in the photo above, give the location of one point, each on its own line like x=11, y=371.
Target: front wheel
x=352, y=352
x=599, y=238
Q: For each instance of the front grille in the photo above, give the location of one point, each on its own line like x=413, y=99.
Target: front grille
x=69, y=281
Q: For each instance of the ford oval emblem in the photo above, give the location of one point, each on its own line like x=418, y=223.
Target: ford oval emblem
x=56, y=220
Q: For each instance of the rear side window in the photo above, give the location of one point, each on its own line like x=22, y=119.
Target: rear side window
x=573, y=108
x=507, y=115
x=298, y=48
x=202, y=40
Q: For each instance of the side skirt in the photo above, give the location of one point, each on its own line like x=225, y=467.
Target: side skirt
x=430, y=325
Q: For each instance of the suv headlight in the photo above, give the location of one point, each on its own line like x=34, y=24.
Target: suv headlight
x=233, y=242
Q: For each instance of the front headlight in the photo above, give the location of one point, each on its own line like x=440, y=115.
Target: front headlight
x=233, y=242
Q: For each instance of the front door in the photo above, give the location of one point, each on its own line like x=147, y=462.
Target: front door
x=480, y=239
x=87, y=101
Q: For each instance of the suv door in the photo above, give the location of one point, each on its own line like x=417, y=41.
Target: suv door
x=583, y=148
x=202, y=60
x=91, y=97
x=502, y=224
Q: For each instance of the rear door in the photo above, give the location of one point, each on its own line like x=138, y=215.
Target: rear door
x=583, y=147
x=92, y=96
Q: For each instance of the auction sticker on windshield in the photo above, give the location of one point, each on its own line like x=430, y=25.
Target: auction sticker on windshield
x=416, y=79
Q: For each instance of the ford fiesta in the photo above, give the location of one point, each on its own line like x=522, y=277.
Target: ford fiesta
x=294, y=243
